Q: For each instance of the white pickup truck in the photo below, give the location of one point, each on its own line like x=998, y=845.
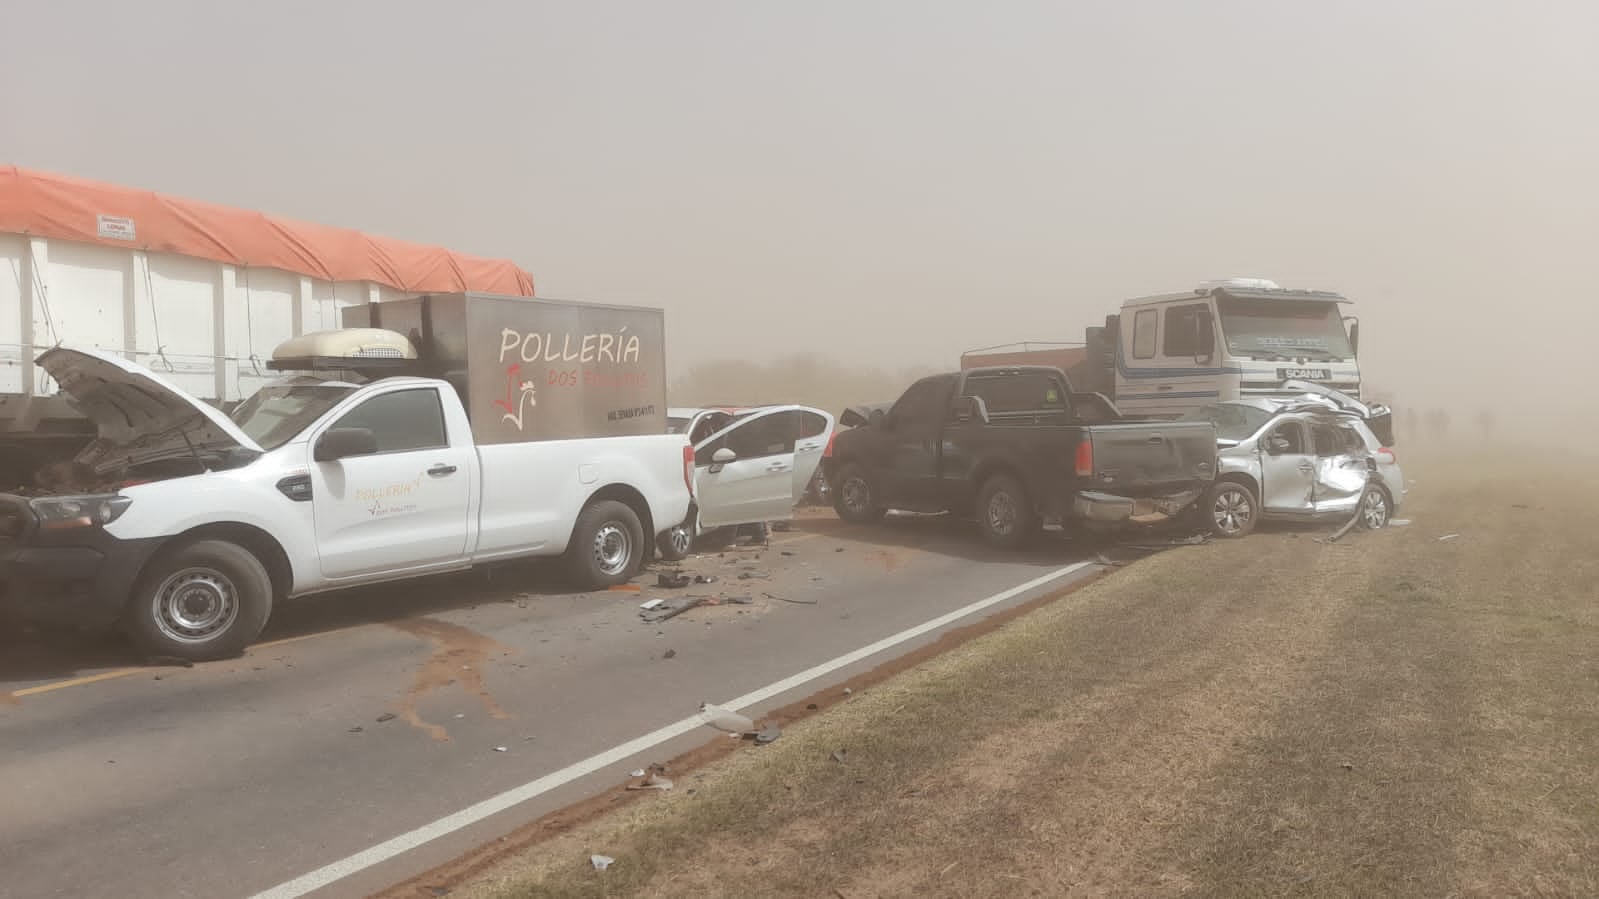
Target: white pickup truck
x=313, y=484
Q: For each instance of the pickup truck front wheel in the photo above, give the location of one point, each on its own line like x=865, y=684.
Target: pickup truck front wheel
x=853, y=498
x=1005, y=513
x=205, y=601
x=607, y=545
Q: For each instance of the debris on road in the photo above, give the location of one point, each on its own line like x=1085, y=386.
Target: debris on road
x=637, y=772
x=502, y=749
x=673, y=580
x=625, y=588
x=652, y=781
x=671, y=609
x=798, y=602
x=839, y=755
x=1399, y=523
x=601, y=862
x=669, y=654
x=768, y=734
x=386, y=717
x=725, y=720
x=652, y=605
x=739, y=600
x=357, y=729
x=705, y=579
x=1447, y=537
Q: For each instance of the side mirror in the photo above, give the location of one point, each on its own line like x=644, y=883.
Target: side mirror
x=1204, y=338
x=879, y=419
x=720, y=458
x=1276, y=446
x=342, y=443
x=971, y=408
x=1354, y=335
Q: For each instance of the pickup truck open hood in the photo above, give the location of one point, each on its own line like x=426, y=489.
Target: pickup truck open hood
x=141, y=417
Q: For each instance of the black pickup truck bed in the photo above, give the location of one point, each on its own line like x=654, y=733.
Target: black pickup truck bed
x=1013, y=447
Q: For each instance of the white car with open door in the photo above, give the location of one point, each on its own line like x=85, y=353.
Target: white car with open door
x=754, y=469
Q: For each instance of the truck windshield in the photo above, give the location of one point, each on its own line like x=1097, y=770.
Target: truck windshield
x=274, y=415
x=1233, y=421
x=1263, y=328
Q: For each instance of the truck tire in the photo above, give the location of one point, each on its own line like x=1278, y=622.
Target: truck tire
x=1005, y=514
x=607, y=545
x=201, y=602
x=854, y=499
x=1231, y=510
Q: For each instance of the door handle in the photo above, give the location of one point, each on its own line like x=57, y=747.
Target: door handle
x=441, y=471
x=1156, y=439
x=1306, y=466
x=777, y=466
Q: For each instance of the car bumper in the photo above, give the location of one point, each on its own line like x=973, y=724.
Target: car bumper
x=85, y=582
x=1108, y=508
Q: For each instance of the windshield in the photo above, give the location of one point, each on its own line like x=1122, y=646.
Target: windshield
x=1263, y=328
x=1233, y=421
x=273, y=416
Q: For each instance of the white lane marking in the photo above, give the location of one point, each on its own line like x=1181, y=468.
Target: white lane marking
x=515, y=796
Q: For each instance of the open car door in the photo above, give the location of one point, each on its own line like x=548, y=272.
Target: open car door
x=757, y=468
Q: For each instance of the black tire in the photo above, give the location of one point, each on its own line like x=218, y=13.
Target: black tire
x=204, y=601
x=1005, y=514
x=1376, y=509
x=607, y=546
x=854, y=499
x=676, y=544
x=1231, y=510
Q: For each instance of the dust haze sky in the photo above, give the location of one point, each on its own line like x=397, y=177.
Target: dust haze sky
x=889, y=182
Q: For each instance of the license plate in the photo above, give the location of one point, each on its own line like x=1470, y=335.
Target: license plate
x=1304, y=374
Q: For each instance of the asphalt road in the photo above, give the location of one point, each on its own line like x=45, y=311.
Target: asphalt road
x=372, y=714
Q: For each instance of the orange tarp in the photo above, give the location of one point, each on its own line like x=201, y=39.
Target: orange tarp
x=65, y=208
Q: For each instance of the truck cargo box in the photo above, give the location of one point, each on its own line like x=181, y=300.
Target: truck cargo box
x=530, y=368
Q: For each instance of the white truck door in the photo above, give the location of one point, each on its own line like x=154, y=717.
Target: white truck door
x=1169, y=361
x=402, y=508
x=758, y=484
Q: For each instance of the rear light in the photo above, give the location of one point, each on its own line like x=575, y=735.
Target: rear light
x=828, y=452
x=688, y=468
x=1392, y=459
x=1085, y=458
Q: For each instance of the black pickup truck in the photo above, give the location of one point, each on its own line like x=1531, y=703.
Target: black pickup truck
x=1014, y=448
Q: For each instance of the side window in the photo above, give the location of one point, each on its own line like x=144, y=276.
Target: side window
x=402, y=421
x=1330, y=440
x=811, y=425
x=923, y=404
x=1294, y=434
x=1188, y=333
x=1145, y=324
x=769, y=435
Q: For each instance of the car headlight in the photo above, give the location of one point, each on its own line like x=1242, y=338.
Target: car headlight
x=64, y=512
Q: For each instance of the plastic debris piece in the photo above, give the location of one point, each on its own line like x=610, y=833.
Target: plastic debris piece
x=673, y=580
x=725, y=720
x=839, y=755
x=502, y=749
x=1447, y=537
x=768, y=734
x=638, y=772
x=652, y=605
x=601, y=862
x=625, y=588
x=386, y=716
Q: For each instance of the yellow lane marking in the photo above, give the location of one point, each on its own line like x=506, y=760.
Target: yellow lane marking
x=76, y=682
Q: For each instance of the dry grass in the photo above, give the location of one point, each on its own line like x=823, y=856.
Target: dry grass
x=1394, y=715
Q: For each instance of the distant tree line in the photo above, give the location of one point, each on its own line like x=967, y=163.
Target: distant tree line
x=803, y=378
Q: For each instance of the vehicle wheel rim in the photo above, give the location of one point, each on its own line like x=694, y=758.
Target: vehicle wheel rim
x=857, y=495
x=1375, y=510
x=1001, y=514
x=680, y=541
x=195, y=605
x=613, y=548
x=1232, y=511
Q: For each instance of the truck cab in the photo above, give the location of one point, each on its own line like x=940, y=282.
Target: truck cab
x=1167, y=354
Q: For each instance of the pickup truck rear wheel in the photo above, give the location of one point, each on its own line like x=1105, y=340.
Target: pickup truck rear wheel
x=607, y=545
x=1005, y=514
x=853, y=497
x=205, y=601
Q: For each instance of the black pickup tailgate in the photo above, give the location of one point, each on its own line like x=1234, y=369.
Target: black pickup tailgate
x=1142, y=458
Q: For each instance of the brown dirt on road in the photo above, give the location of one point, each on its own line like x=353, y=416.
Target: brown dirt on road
x=459, y=655
x=1387, y=715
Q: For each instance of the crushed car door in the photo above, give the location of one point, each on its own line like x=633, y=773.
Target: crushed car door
x=1341, y=472
x=1287, y=469
x=757, y=484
